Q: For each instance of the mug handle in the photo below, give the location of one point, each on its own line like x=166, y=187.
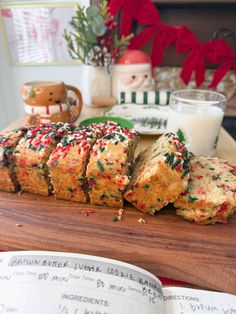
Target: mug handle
x=79, y=102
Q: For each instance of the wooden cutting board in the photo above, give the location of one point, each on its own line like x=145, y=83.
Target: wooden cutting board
x=165, y=245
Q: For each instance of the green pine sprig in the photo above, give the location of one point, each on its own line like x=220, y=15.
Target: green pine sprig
x=88, y=31
x=103, y=7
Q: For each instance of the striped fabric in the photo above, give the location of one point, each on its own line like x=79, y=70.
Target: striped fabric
x=145, y=98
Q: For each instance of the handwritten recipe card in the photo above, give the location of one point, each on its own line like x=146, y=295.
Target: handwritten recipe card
x=62, y=283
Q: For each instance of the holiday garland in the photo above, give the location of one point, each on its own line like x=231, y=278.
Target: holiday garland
x=217, y=52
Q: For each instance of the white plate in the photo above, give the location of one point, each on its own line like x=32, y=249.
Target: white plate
x=147, y=119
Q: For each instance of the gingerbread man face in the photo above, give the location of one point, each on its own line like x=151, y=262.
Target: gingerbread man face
x=44, y=93
x=46, y=101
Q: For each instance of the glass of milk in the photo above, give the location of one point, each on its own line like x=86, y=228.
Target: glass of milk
x=196, y=116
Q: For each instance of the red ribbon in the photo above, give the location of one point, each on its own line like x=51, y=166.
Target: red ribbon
x=199, y=53
x=162, y=35
x=131, y=9
x=222, y=54
x=165, y=37
x=195, y=61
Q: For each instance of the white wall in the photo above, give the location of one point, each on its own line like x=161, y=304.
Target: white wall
x=13, y=77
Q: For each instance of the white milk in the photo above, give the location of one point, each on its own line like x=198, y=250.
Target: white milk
x=200, y=125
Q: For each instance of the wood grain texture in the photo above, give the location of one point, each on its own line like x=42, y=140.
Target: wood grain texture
x=165, y=245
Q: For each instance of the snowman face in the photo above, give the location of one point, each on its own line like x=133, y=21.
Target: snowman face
x=136, y=81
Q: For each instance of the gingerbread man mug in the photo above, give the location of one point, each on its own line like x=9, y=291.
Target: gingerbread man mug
x=48, y=101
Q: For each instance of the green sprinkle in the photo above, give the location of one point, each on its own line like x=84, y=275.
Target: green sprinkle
x=186, y=172
x=154, y=156
x=101, y=148
x=176, y=163
x=211, y=168
x=108, y=136
x=100, y=166
x=32, y=147
x=116, y=142
x=192, y=199
x=186, y=164
x=115, y=219
x=35, y=166
x=109, y=163
x=171, y=158
x=121, y=137
x=186, y=154
x=41, y=146
x=181, y=136
x=146, y=186
x=167, y=159
x=103, y=196
x=216, y=176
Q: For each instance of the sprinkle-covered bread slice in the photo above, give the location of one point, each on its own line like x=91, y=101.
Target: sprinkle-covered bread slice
x=68, y=162
x=211, y=194
x=8, y=142
x=160, y=174
x=109, y=166
x=67, y=165
x=32, y=153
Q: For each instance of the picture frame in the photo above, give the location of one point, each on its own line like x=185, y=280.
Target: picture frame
x=34, y=33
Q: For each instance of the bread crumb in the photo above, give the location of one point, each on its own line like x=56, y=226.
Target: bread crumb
x=120, y=211
x=141, y=221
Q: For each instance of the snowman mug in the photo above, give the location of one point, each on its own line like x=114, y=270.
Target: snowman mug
x=48, y=101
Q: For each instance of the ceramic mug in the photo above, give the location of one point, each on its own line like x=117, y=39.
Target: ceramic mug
x=48, y=101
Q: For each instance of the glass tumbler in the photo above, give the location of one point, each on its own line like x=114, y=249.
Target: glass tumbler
x=196, y=116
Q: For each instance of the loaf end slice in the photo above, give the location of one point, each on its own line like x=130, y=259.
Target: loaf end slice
x=211, y=194
x=8, y=143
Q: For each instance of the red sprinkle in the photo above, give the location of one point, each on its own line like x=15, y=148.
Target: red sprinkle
x=178, y=168
x=88, y=211
x=199, y=177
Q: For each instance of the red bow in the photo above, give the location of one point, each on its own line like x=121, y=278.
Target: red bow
x=195, y=61
x=221, y=54
x=163, y=36
x=131, y=9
